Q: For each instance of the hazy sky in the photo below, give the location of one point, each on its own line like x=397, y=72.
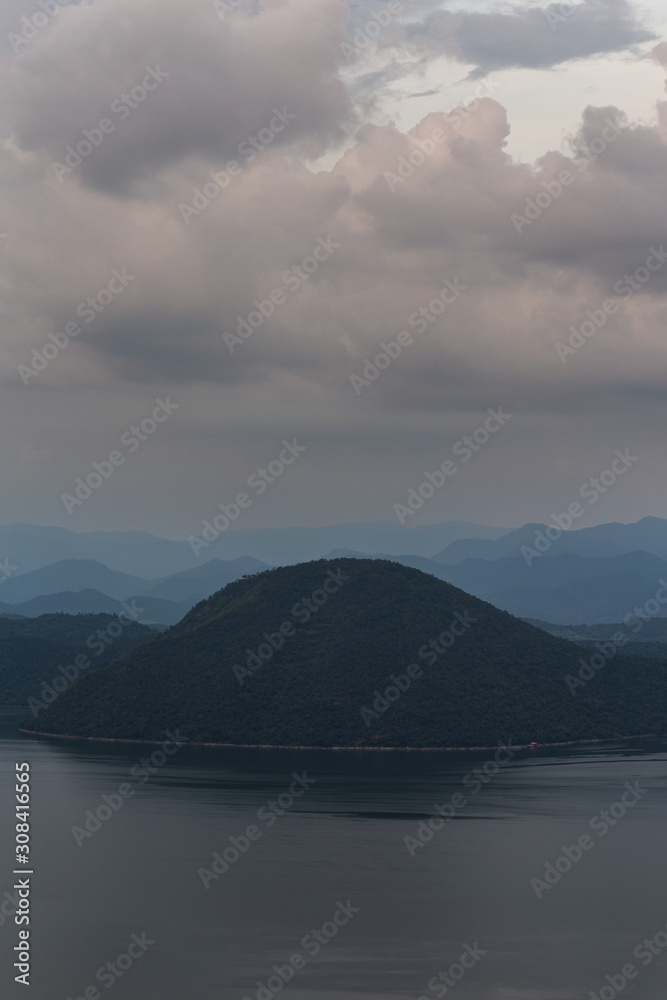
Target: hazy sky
x=350, y=195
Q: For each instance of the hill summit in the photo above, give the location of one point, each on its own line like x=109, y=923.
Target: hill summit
x=359, y=653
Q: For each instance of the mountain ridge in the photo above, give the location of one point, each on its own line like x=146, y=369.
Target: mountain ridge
x=140, y=553
x=649, y=534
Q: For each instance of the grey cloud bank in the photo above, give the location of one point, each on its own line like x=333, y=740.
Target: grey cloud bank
x=228, y=80
x=536, y=37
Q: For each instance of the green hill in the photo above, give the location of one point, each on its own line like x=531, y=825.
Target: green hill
x=33, y=650
x=358, y=652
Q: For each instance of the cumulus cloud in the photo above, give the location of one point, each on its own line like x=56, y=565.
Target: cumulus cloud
x=404, y=212
x=220, y=82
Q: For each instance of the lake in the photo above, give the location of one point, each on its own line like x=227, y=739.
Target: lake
x=222, y=874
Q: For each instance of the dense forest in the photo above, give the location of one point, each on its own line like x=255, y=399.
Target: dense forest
x=33, y=650
x=357, y=652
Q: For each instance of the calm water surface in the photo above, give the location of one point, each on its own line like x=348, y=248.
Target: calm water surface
x=342, y=840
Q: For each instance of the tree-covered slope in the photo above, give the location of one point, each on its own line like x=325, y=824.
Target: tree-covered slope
x=464, y=673
x=33, y=650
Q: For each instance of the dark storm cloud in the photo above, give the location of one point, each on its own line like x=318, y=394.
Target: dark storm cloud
x=532, y=37
x=219, y=84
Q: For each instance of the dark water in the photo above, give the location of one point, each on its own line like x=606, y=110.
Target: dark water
x=341, y=841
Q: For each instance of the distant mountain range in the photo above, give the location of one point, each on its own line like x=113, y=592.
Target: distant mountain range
x=147, y=610
x=650, y=640
x=566, y=589
x=88, y=574
x=647, y=535
x=76, y=586
x=653, y=631
x=70, y=575
x=139, y=553
x=591, y=575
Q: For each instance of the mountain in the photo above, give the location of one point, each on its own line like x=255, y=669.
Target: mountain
x=416, y=562
x=509, y=545
x=32, y=650
x=140, y=554
x=562, y=589
x=605, y=598
x=484, y=578
x=651, y=631
x=149, y=610
x=74, y=575
x=193, y=585
x=74, y=586
x=31, y=546
x=28, y=547
x=75, y=630
x=358, y=652
x=28, y=661
x=647, y=535
x=594, y=638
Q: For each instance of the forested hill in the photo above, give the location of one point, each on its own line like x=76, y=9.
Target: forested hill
x=358, y=652
x=37, y=652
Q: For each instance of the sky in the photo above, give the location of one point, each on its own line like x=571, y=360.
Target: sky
x=216, y=218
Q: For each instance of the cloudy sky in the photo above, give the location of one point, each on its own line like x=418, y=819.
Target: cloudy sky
x=231, y=208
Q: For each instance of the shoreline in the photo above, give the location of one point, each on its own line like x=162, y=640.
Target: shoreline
x=283, y=746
